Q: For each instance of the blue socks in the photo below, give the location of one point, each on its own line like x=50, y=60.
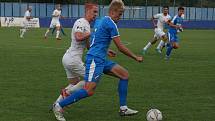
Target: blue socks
x=74, y=97
x=122, y=90
x=82, y=93
x=169, y=49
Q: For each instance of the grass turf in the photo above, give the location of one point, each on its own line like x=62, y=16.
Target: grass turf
x=182, y=88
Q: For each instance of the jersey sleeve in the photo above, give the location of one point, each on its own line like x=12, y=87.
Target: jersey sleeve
x=174, y=20
x=113, y=30
x=81, y=27
x=27, y=14
x=156, y=16
x=55, y=13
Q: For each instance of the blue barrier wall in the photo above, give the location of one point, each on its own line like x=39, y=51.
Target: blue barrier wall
x=68, y=23
x=73, y=11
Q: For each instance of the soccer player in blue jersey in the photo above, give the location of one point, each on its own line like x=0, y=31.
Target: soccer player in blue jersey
x=172, y=33
x=96, y=63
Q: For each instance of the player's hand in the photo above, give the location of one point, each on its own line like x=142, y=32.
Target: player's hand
x=139, y=58
x=87, y=34
x=62, y=17
x=111, y=53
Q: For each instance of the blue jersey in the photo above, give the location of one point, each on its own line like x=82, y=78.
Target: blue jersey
x=105, y=31
x=177, y=20
x=94, y=25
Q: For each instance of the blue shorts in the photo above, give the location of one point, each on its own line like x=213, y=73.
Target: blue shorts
x=95, y=67
x=173, y=37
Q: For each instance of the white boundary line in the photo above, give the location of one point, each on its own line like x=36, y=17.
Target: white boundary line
x=47, y=47
x=58, y=48
x=126, y=42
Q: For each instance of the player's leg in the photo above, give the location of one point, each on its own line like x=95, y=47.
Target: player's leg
x=47, y=32
x=58, y=31
x=173, y=40
x=153, y=41
x=94, y=69
x=71, y=87
x=62, y=31
x=51, y=26
x=23, y=29
x=75, y=70
x=53, y=30
x=175, y=45
x=160, y=46
x=116, y=70
x=163, y=38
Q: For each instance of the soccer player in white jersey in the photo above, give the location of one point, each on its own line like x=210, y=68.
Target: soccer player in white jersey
x=24, y=24
x=97, y=63
x=56, y=15
x=72, y=59
x=162, y=18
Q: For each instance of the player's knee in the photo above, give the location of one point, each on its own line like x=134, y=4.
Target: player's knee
x=153, y=41
x=74, y=81
x=176, y=46
x=90, y=88
x=125, y=75
x=164, y=38
x=90, y=93
x=58, y=27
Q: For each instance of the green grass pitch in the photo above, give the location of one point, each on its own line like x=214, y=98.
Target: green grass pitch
x=183, y=88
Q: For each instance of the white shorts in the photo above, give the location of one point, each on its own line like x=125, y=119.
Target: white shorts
x=24, y=24
x=73, y=66
x=54, y=24
x=158, y=33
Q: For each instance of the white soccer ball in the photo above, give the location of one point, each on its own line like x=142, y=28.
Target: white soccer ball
x=154, y=115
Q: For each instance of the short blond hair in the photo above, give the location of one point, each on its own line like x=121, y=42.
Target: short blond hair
x=116, y=5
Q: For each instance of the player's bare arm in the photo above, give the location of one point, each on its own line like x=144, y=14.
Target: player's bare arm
x=122, y=48
x=172, y=25
x=111, y=53
x=55, y=15
x=82, y=36
x=29, y=18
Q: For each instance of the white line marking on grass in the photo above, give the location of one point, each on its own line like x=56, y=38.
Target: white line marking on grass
x=46, y=47
x=126, y=42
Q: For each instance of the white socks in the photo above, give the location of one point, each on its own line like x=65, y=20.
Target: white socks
x=76, y=87
x=60, y=96
x=22, y=32
x=72, y=88
x=123, y=107
x=160, y=44
x=46, y=33
x=57, y=34
x=147, y=46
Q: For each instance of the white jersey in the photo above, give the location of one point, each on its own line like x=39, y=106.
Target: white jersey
x=72, y=59
x=162, y=20
x=57, y=13
x=77, y=48
x=27, y=14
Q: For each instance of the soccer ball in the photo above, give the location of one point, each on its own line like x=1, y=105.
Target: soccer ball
x=154, y=115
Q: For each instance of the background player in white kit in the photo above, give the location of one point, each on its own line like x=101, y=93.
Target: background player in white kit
x=56, y=15
x=72, y=59
x=24, y=24
x=163, y=18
